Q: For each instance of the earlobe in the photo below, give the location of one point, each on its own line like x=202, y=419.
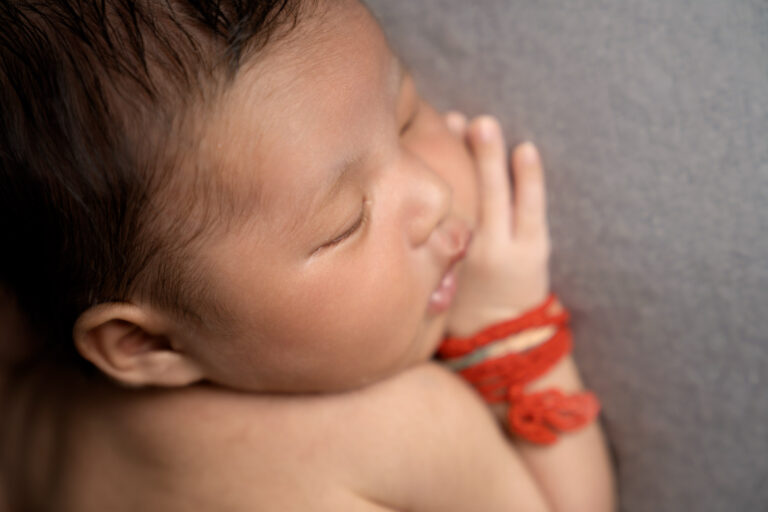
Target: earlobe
x=134, y=345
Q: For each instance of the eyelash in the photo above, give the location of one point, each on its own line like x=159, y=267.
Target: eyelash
x=410, y=121
x=360, y=223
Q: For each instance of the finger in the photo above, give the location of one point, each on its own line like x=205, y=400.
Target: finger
x=530, y=210
x=490, y=152
x=457, y=122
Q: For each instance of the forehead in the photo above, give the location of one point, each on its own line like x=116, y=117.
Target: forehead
x=303, y=107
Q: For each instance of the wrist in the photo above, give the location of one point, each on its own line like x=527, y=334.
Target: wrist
x=515, y=343
x=466, y=324
x=513, y=360
x=516, y=331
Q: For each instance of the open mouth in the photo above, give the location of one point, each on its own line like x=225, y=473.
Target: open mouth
x=442, y=297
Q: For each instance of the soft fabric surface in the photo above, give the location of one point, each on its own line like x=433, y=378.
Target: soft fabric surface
x=652, y=117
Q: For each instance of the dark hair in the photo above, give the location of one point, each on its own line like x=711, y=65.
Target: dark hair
x=98, y=103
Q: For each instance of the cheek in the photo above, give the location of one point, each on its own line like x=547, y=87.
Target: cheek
x=354, y=317
x=348, y=295
x=459, y=173
x=449, y=157
x=362, y=296
x=353, y=324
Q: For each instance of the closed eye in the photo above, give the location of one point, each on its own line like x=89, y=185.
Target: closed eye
x=356, y=226
x=409, y=123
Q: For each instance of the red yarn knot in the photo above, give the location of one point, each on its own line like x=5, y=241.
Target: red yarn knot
x=539, y=417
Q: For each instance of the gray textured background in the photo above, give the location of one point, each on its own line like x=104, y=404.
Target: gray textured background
x=652, y=118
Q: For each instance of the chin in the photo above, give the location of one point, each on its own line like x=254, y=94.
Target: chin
x=434, y=336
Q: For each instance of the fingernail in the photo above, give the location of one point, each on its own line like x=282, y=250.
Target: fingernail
x=488, y=129
x=529, y=154
x=455, y=122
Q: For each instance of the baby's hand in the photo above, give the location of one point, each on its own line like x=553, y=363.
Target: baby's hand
x=506, y=268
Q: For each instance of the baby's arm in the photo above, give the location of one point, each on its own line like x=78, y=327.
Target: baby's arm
x=505, y=274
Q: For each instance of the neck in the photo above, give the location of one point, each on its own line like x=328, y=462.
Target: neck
x=32, y=405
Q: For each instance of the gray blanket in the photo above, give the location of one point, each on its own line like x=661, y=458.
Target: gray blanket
x=652, y=118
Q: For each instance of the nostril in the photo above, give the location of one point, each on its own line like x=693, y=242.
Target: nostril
x=455, y=237
x=459, y=236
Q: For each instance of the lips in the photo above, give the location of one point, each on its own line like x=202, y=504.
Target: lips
x=442, y=296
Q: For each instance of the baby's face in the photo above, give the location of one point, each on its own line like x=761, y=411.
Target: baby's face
x=355, y=200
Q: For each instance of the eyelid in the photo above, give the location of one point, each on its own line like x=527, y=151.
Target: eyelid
x=408, y=88
x=411, y=119
x=350, y=230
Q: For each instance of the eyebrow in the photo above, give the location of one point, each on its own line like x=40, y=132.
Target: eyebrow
x=350, y=166
x=338, y=177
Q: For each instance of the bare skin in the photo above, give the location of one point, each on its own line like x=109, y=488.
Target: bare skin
x=418, y=441
x=322, y=412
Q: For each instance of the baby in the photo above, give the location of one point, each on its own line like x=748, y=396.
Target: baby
x=259, y=234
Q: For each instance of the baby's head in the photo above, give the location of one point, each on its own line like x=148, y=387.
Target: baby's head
x=250, y=193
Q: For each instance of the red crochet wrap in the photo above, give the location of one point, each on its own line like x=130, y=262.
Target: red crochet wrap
x=536, y=417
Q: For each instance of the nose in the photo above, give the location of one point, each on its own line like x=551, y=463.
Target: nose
x=427, y=203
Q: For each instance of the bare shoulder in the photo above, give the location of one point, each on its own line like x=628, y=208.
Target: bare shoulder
x=418, y=441
x=436, y=442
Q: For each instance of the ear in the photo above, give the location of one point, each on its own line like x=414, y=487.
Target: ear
x=134, y=345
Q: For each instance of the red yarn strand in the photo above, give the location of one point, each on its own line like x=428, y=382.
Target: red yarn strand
x=536, y=417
